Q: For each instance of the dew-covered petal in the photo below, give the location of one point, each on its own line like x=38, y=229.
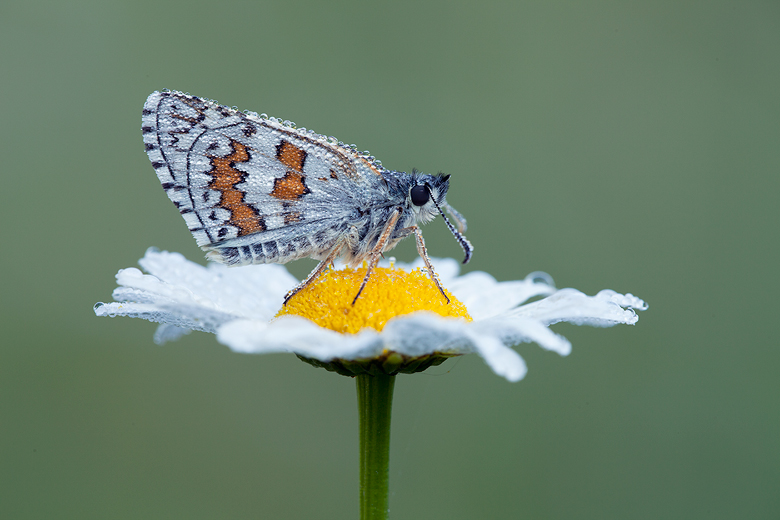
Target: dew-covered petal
x=501, y=359
x=185, y=294
x=167, y=332
x=189, y=317
x=135, y=286
x=480, y=292
x=298, y=335
x=417, y=334
x=423, y=333
x=254, y=291
x=414, y=335
x=172, y=268
x=520, y=329
x=485, y=297
x=146, y=296
x=575, y=307
x=624, y=300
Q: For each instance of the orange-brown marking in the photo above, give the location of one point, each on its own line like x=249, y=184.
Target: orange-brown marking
x=290, y=187
x=291, y=156
x=333, y=175
x=224, y=179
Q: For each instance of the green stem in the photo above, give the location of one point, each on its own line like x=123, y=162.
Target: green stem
x=375, y=402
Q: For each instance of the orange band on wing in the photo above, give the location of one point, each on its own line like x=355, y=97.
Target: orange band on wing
x=224, y=179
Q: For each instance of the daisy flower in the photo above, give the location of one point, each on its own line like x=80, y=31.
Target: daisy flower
x=400, y=324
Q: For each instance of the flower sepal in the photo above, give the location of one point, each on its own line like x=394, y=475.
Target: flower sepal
x=389, y=363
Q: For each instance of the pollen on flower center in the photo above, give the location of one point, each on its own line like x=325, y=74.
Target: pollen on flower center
x=389, y=293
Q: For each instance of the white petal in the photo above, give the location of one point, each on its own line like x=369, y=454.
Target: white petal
x=173, y=268
x=624, y=300
x=485, y=297
x=195, y=318
x=167, y=332
x=413, y=335
x=575, y=307
x=187, y=295
x=254, y=291
x=519, y=329
x=139, y=287
x=422, y=333
x=298, y=335
x=503, y=360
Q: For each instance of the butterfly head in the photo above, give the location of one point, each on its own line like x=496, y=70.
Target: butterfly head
x=426, y=195
x=426, y=198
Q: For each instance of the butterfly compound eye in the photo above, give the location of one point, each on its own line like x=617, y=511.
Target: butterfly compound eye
x=419, y=195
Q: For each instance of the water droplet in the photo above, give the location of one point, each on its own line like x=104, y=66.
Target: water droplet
x=541, y=277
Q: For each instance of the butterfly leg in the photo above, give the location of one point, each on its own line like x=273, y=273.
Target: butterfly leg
x=315, y=273
x=423, y=252
x=373, y=257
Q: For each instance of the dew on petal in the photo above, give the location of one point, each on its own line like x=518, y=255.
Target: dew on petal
x=540, y=277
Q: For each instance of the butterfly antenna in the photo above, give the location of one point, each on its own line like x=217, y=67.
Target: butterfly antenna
x=462, y=240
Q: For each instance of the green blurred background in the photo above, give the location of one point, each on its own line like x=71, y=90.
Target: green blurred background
x=624, y=145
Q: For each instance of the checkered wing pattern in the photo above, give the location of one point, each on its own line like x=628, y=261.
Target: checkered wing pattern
x=254, y=189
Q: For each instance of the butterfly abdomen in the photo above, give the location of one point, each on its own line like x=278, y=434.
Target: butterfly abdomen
x=280, y=251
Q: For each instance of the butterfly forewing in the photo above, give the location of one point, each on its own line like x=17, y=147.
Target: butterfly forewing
x=241, y=181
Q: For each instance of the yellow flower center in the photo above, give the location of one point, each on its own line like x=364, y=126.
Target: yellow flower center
x=390, y=292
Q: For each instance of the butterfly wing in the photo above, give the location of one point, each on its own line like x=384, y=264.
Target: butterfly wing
x=253, y=189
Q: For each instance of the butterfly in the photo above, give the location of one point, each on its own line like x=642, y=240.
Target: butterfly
x=254, y=189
